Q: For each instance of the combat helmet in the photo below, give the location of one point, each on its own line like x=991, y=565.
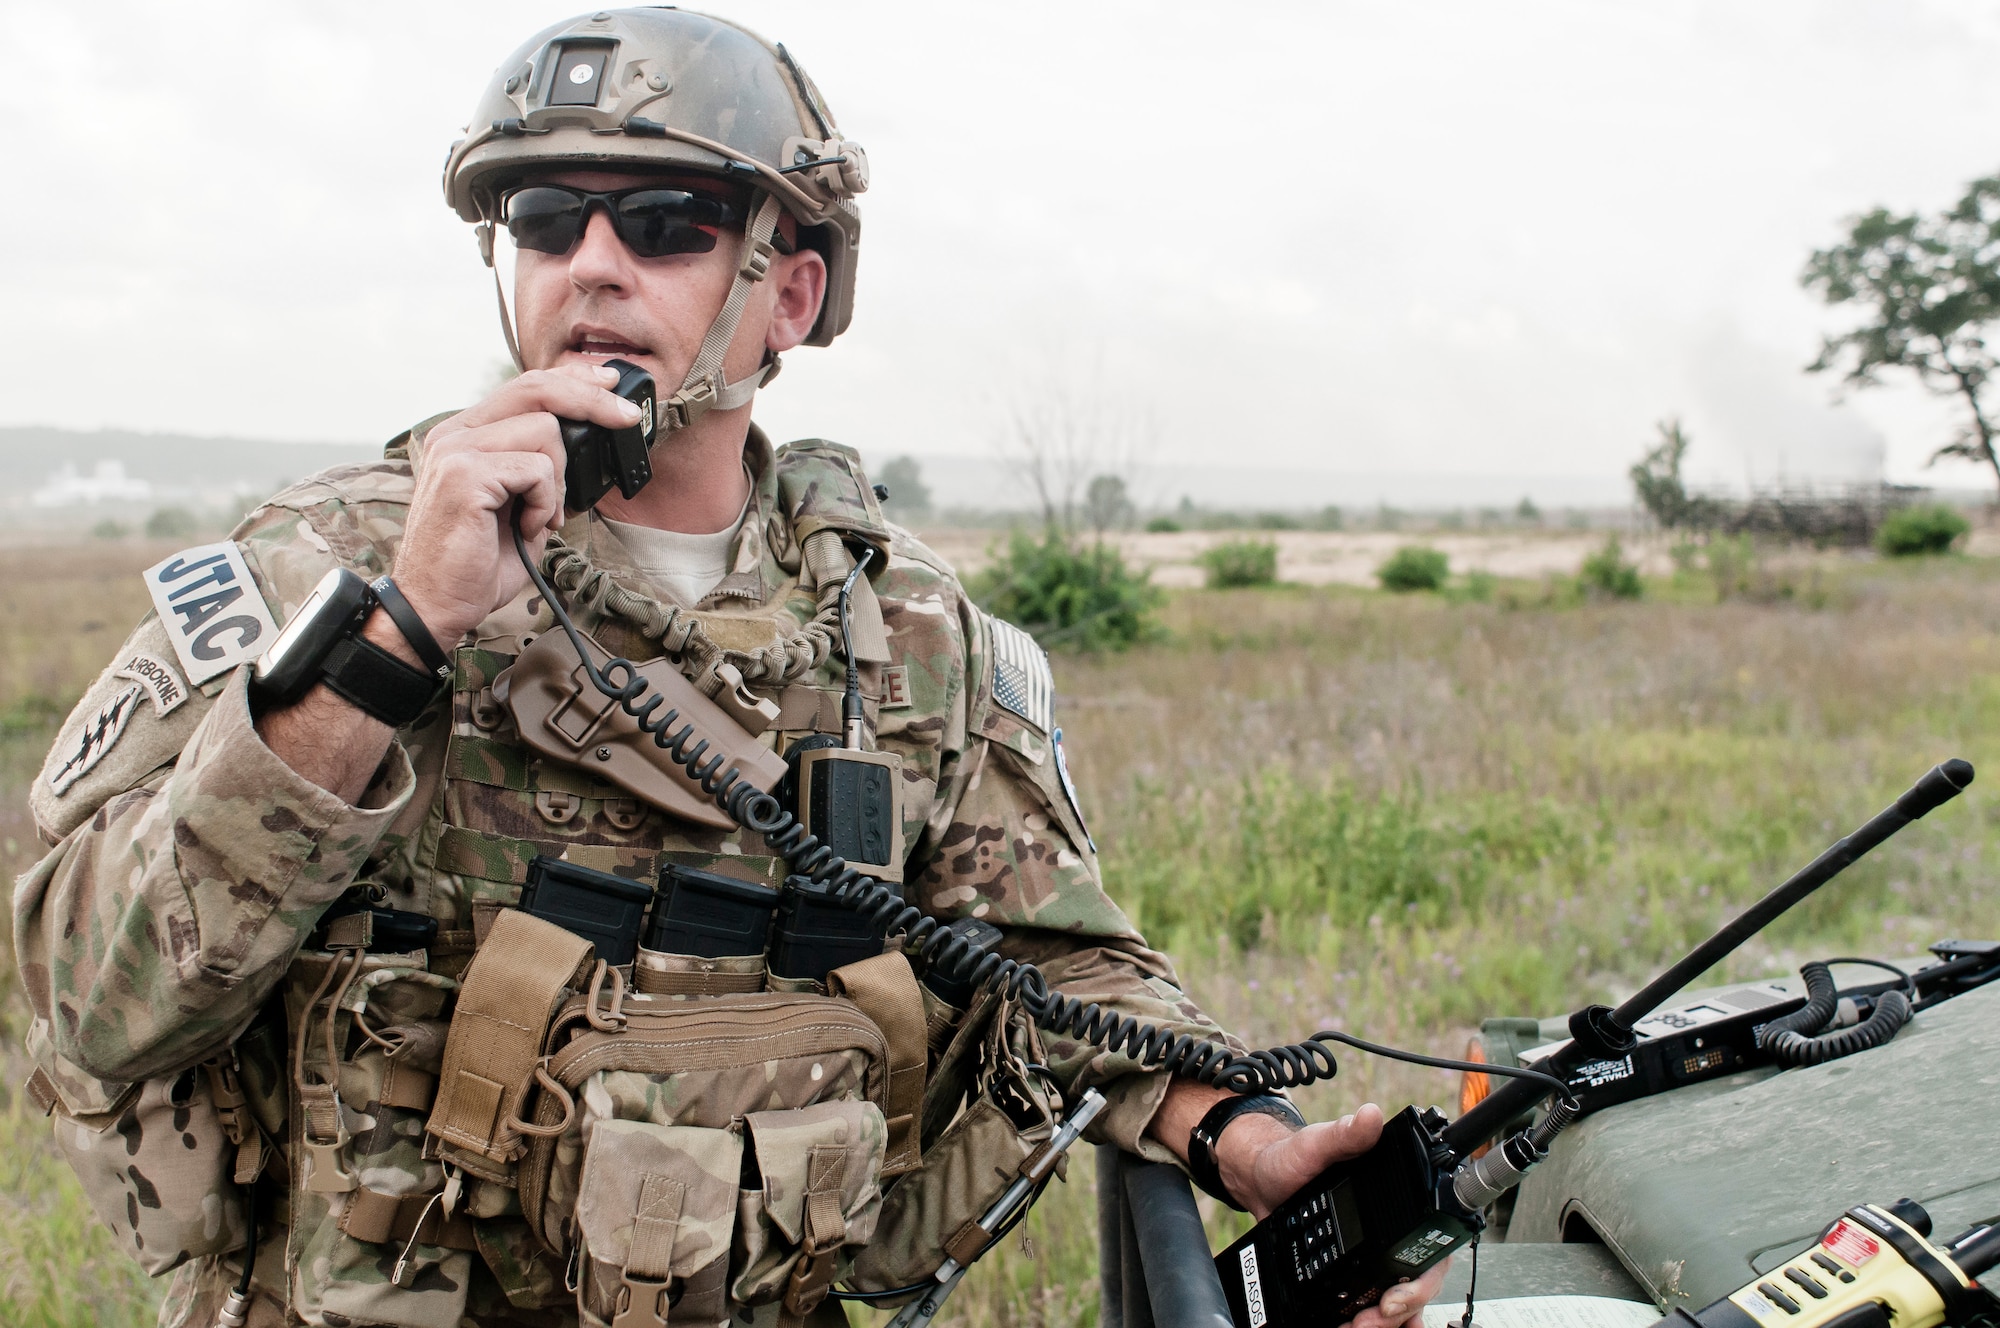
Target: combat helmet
x=663, y=88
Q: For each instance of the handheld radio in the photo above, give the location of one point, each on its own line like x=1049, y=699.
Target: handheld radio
x=1873, y=1267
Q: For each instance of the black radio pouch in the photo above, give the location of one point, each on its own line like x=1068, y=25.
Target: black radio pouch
x=605, y=910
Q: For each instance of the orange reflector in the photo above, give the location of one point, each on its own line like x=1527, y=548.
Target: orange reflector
x=1473, y=1086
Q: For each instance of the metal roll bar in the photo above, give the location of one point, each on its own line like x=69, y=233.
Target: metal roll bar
x=1154, y=1265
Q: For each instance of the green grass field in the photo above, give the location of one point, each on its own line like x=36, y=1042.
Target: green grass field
x=1394, y=815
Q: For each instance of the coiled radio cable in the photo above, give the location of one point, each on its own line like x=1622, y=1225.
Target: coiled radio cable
x=1154, y=1047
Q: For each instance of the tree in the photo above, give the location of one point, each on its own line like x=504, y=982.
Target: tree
x=1065, y=439
x=1106, y=506
x=1926, y=287
x=1657, y=481
x=908, y=496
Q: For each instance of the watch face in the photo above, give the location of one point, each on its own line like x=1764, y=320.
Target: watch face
x=295, y=631
x=293, y=662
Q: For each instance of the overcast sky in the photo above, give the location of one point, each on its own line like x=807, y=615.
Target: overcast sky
x=1452, y=237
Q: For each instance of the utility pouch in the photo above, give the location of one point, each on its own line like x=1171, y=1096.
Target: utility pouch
x=965, y=1171
x=561, y=715
x=974, y=1159
x=698, y=1064
x=367, y=1241
x=654, y=1212
x=154, y=1159
x=810, y=1199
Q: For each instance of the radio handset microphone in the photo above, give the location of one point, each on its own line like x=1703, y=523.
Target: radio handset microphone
x=601, y=457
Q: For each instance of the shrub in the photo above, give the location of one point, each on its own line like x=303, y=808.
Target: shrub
x=1163, y=525
x=1240, y=563
x=1414, y=567
x=1082, y=596
x=1912, y=531
x=1275, y=521
x=1607, y=573
x=110, y=529
x=1478, y=587
x=170, y=523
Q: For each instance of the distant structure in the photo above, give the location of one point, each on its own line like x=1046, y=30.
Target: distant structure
x=106, y=483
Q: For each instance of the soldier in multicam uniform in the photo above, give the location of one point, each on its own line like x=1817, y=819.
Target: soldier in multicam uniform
x=198, y=839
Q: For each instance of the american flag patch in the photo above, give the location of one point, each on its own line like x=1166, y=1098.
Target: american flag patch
x=1021, y=679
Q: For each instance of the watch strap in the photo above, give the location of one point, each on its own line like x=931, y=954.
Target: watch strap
x=370, y=678
x=1202, y=1167
x=411, y=624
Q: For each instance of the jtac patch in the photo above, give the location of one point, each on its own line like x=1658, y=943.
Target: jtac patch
x=1021, y=679
x=212, y=610
x=162, y=684
x=100, y=731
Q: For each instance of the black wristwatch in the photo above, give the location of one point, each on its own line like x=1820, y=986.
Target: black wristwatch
x=1202, y=1168
x=323, y=643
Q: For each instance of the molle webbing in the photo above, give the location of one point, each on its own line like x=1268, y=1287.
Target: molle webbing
x=496, y=1036
x=887, y=992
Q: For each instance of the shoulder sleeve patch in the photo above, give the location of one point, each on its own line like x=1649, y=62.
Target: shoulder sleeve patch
x=138, y=705
x=94, y=739
x=210, y=605
x=1021, y=680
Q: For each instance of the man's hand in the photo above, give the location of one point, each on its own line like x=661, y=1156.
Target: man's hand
x=457, y=563
x=1263, y=1162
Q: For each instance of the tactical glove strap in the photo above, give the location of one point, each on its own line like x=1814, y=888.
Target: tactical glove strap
x=887, y=992
x=496, y=1038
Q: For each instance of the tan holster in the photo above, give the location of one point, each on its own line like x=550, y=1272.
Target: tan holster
x=562, y=715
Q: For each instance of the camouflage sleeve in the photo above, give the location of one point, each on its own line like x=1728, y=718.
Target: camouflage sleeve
x=152, y=934
x=1007, y=843
x=189, y=862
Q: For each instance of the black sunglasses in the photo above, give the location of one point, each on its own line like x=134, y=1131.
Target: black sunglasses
x=651, y=222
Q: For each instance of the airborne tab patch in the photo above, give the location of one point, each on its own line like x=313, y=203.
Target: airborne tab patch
x=162, y=684
x=1021, y=679
x=212, y=610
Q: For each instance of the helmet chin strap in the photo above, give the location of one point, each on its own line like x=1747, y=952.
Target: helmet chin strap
x=704, y=389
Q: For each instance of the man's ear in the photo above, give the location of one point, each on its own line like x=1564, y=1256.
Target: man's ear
x=800, y=286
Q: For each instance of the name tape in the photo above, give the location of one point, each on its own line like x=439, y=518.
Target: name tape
x=212, y=610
